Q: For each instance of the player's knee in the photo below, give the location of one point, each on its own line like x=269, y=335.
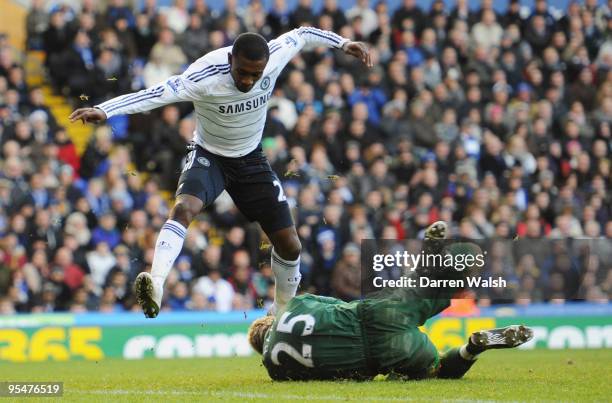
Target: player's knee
x=297, y=248
x=291, y=249
x=184, y=212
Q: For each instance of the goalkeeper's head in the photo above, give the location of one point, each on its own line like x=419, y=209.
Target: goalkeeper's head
x=257, y=332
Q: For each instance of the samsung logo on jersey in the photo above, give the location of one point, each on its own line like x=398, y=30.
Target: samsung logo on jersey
x=245, y=106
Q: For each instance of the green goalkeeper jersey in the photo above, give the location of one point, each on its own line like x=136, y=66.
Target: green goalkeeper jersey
x=325, y=338
x=315, y=338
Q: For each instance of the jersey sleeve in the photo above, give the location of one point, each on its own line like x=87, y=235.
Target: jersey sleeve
x=325, y=300
x=290, y=43
x=305, y=302
x=177, y=88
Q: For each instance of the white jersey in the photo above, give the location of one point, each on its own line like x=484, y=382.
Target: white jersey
x=229, y=122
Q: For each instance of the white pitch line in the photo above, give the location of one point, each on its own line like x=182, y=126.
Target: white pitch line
x=268, y=396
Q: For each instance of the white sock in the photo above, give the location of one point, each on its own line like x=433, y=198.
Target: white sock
x=286, y=280
x=167, y=248
x=465, y=354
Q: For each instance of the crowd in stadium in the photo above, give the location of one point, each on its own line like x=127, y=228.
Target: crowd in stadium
x=498, y=123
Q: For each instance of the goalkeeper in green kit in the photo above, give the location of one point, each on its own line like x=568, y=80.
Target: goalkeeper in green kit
x=322, y=338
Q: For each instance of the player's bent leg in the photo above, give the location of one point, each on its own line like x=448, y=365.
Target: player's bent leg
x=258, y=194
x=199, y=185
x=285, y=265
x=456, y=362
x=286, y=243
x=453, y=365
x=185, y=209
x=149, y=287
x=505, y=337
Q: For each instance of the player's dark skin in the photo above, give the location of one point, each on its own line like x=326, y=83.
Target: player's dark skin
x=245, y=74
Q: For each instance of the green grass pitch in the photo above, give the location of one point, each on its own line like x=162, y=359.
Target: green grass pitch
x=499, y=376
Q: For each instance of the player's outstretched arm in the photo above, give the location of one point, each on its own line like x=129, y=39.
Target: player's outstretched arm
x=174, y=89
x=292, y=42
x=88, y=115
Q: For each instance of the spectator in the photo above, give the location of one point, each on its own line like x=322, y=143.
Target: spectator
x=302, y=15
x=183, y=268
x=118, y=10
x=218, y=292
x=166, y=54
x=537, y=33
x=100, y=262
x=346, y=279
x=462, y=12
x=209, y=259
x=263, y=282
x=487, y=33
x=178, y=16
x=77, y=65
x=374, y=99
x=106, y=231
x=195, y=39
x=94, y=160
x=56, y=39
x=330, y=8
x=235, y=240
x=36, y=102
x=72, y=274
x=37, y=22
x=118, y=282
x=242, y=280
x=408, y=16
x=369, y=20
x=179, y=297
x=167, y=146
x=144, y=37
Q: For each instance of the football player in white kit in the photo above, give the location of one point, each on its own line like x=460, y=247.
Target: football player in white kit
x=230, y=88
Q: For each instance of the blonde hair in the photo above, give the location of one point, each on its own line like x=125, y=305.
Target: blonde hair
x=257, y=332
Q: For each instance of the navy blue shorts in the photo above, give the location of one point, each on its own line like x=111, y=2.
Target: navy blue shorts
x=249, y=180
